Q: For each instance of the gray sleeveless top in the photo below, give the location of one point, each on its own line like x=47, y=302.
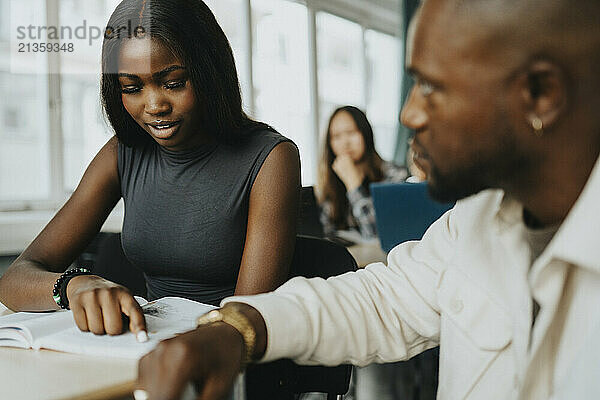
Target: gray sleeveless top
x=186, y=213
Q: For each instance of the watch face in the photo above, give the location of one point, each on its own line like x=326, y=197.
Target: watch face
x=208, y=318
x=214, y=315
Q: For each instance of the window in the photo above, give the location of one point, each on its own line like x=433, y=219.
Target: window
x=280, y=73
x=231, y=16
x=24, y=157
x=340, y=65
x=383, y=89
x=84, y=131
x=24, y=153
x=5, y=25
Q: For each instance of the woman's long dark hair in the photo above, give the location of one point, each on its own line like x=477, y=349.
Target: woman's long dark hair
x=189, y=29
x=330, y=187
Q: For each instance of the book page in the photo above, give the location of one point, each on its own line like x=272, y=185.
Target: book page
x=174, y=312
x=32, y=325
x=165, y=318
x=14, y=337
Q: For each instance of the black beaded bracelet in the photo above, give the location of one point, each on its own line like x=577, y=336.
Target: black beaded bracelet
x=59, y=293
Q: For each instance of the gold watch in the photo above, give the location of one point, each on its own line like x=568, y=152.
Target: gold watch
x=236, y=319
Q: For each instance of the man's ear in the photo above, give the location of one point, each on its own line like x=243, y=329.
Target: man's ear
x=543, y=93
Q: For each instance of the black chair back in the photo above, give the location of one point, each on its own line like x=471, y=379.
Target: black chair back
x=320, y=258
x=104, y=257
x=308, y=222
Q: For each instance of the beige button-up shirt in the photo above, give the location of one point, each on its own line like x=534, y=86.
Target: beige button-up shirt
x=467, y=286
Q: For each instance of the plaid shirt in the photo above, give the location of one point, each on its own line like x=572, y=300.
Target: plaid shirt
x=361, y=213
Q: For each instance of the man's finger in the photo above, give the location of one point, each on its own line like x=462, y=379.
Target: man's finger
x=158, y=382
x=214, y=389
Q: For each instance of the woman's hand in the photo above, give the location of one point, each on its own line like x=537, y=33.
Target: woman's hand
x=209, y=356
x=98, y=306
x=349, y=173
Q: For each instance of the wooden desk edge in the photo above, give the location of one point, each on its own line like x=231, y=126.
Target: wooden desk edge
x=118, y=391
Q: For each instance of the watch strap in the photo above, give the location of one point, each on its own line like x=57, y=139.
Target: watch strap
x=240, y=322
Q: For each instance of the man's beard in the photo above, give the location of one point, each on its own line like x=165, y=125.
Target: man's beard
x=498, y=167
x=456, y=185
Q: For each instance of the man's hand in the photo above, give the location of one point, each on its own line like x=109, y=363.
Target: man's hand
x=349, y=173
x=209, y=356
x=98, y=306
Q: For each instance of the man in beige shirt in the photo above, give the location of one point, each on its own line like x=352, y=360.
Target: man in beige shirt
x=506, y=117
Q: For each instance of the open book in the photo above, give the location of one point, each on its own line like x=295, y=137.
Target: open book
x=165, y=318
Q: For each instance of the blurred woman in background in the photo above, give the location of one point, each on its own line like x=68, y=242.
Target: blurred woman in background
x=348, y=165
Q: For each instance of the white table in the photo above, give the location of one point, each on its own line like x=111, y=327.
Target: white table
x=45, y=374
x=51, y=375
x=27, y=374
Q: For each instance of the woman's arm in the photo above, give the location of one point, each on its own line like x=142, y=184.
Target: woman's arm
x=271, y=232
x=361, y=203
x=363, y=211
x=325, y=219
x=27, y=284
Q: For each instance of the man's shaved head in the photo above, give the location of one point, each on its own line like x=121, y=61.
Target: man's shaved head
x=566, y=31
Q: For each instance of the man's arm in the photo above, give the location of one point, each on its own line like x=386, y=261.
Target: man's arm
x=377, y=314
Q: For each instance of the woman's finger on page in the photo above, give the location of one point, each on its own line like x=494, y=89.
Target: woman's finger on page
x=131, y=308
x=111, y=311
x=79, y=317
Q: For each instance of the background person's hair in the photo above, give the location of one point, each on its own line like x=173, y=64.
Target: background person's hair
x=189, y=29
x=329, y=186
